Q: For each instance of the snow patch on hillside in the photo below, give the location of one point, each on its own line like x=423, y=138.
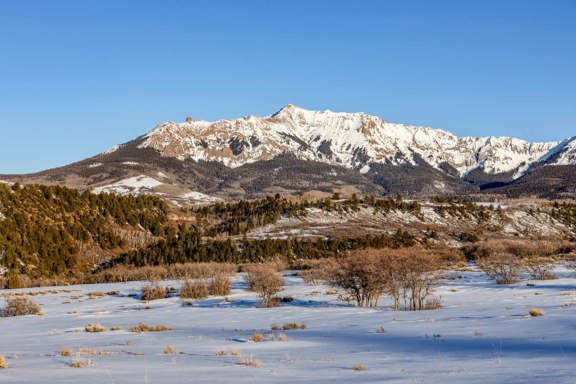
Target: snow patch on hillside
x=199, y=196
x=134, y=185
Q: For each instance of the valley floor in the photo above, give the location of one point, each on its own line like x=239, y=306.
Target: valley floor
x=483, y=334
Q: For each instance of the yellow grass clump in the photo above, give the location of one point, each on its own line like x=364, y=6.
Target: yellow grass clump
x=535, y=312
x=149, y=328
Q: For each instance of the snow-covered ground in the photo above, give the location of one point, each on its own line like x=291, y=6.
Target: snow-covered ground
x=482, y=335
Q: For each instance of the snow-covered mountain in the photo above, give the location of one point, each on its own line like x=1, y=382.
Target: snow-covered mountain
x=351, y=140
x=296, y=151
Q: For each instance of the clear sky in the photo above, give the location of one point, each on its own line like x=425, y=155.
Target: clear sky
x=80, y=76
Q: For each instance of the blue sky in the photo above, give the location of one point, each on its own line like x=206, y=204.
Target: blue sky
x=80, y=76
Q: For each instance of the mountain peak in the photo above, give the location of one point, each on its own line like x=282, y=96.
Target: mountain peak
x=351, y=140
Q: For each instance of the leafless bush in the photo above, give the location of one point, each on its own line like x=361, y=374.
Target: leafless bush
x=20, y=306
x=265, y=282
x=407, y=276
x=153, y=292
x=504, y=268
x=363, y=275
x=194, y=290
x=540, y=268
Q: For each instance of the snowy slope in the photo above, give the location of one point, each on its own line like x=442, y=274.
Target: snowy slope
x=134, y=185
x=482, y=335
x=352, y=140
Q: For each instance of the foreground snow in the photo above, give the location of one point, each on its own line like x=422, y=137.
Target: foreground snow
x=482, y=335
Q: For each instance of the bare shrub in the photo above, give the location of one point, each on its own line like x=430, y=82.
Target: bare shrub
x=265, y=282
x=412, y=274
x=540, y=268
x=362, y=276
x=407, y=275
x=66, y=352
x=20, y=306
x=219, y=285
x=433, y=303
x=3, y=363
x=380, y=330
x=194, y=290
x=153, y=292
x=504, y=268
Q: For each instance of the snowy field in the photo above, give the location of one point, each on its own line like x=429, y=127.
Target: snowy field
x=482, y=335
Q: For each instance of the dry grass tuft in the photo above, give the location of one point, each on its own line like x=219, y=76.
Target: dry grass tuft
x=293, y=325
x=116, y=328
x=95, y=295
x=81, y=363
x=66, y=352
x=359, y=367
x=94, y=328
x=168, y=350
x=3, y=363
x=221, y=352
x=149, y=328
x=250, y=362
x=93, y=352
x=234, y=352
x=194, y=290
x=153, y=292
x=535, y=312
x=219, y=285
x=380, y=330
x=282, y=337
x=256, y=338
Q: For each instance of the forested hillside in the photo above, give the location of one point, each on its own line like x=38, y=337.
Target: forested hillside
x=44, y=230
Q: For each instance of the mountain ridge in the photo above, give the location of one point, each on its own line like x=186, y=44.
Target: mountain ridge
x=295, y=150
